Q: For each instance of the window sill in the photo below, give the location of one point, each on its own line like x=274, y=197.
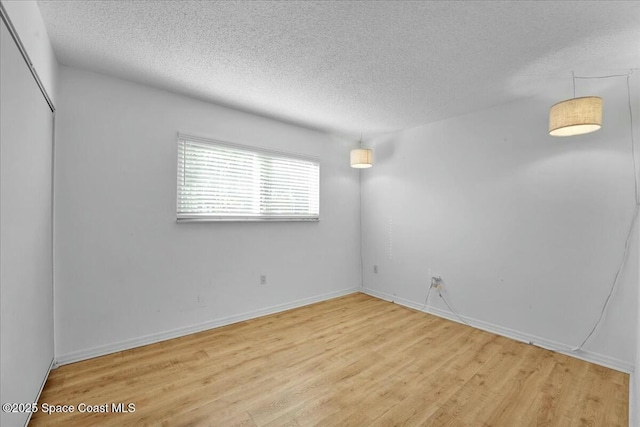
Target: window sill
x=246, y=219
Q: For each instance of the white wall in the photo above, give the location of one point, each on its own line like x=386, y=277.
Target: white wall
x=126, y=272
x=26, y=278
x=25, y=17
x=526, y=230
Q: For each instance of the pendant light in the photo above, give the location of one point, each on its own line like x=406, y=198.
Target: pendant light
x=575, y=116
x=361, y=158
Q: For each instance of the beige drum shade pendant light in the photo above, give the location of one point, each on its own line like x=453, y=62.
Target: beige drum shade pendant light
x=361, y=158
x=575, y=116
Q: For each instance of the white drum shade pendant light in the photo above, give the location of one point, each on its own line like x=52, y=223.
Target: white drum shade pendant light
x=575, y=116
x=361, y=158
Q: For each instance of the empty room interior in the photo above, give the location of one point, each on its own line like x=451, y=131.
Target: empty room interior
x=330, y=213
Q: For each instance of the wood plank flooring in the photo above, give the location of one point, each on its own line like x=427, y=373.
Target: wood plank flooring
x=351, y=361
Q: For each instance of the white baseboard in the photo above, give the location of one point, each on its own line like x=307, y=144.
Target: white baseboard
x=598, y=359
x=44, y=381
x=90, y=353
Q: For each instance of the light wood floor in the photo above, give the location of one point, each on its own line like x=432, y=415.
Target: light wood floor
x=351, y=361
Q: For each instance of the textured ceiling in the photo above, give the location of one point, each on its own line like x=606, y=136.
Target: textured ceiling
x=347, y=67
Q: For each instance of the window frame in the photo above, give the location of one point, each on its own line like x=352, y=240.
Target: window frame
x=180, y=218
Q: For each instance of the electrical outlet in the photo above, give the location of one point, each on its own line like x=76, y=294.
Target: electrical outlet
x=263, y=279
x=375, y=269
x=436, y=282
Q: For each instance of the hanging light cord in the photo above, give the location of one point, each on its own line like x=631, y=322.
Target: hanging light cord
x=360, y=219
x=451, y=308
x=603, y=77
x=633, y=144
x=440, y=281
x=615, y=280
x=635, y=212
x=427, y=298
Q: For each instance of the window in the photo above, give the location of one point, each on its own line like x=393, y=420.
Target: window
x=220, y=181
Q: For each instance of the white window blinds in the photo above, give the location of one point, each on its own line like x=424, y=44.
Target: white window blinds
x=224, y=181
